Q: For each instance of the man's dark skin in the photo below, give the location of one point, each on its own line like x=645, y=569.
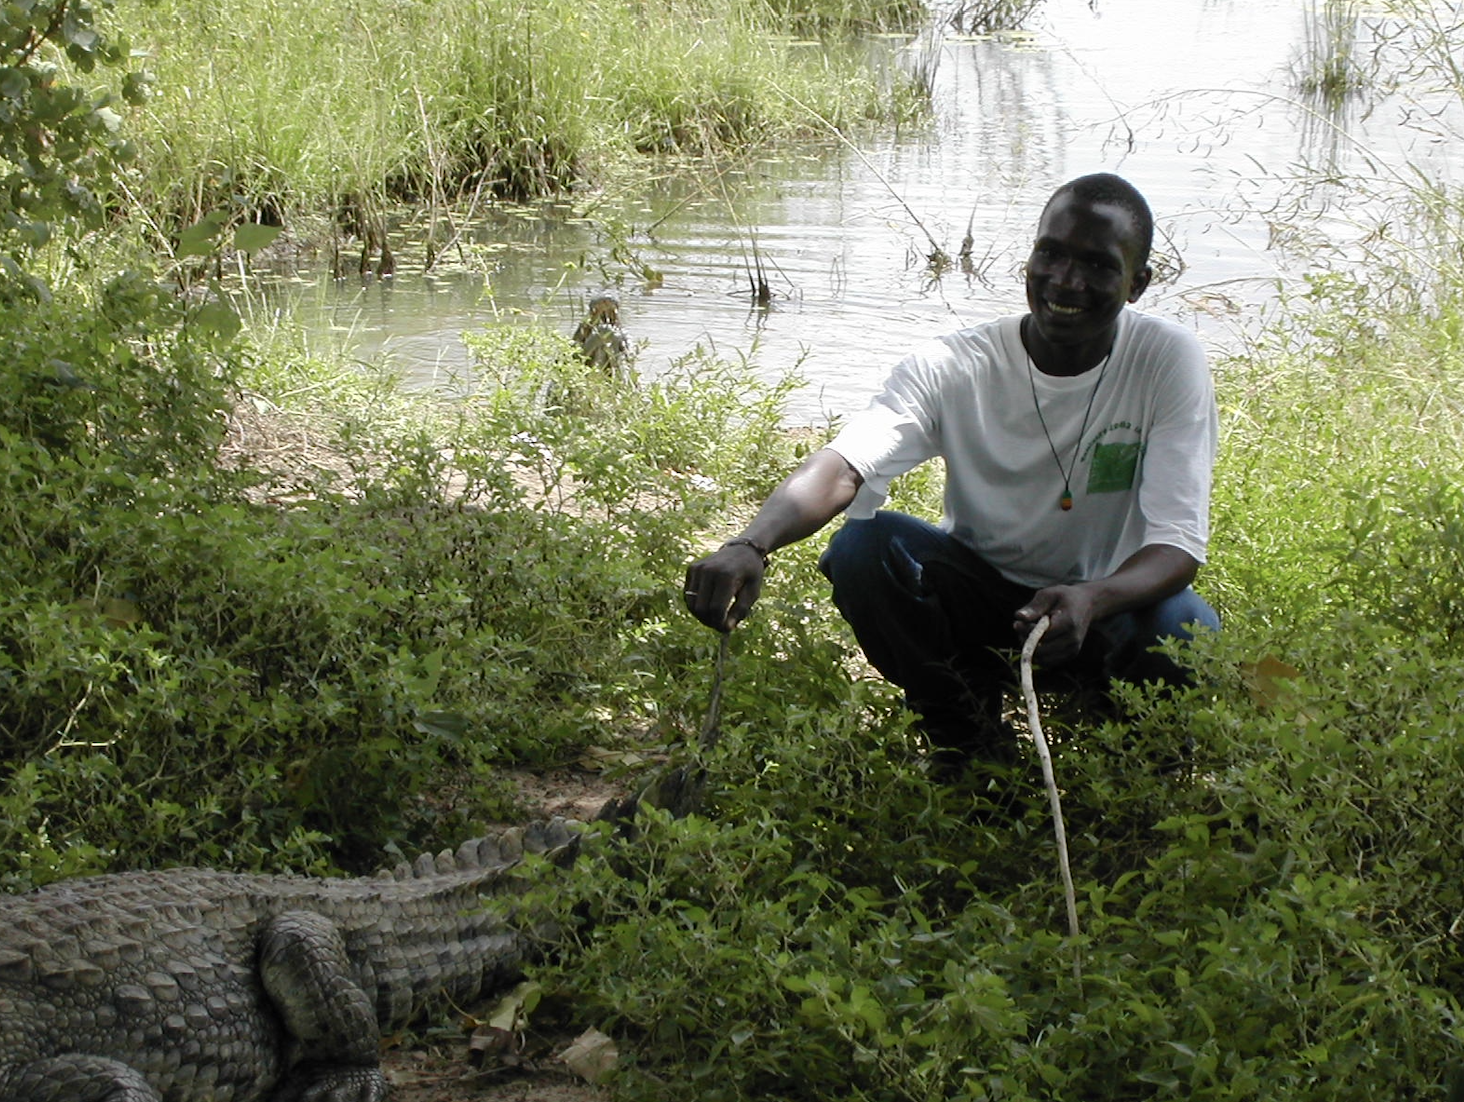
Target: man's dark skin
x=1083, y=269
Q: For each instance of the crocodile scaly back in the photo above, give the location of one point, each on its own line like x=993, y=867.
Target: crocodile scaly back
x=194, y=984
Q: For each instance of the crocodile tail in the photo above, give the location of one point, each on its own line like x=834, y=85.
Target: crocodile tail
x=553, y=837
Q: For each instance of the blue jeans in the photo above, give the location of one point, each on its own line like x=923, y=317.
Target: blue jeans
x=936, y=619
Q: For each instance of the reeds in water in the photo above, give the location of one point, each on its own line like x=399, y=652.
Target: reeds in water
x=292, y=106
x=1331, y=64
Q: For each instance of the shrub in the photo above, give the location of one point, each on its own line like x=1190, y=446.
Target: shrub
x=198, y=672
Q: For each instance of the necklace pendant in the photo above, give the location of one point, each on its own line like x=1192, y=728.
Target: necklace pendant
x=1066, y=501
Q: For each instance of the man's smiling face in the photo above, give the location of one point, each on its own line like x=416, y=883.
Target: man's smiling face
x=1085, y=266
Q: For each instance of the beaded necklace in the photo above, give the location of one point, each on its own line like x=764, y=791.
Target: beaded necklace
x=1066, y=501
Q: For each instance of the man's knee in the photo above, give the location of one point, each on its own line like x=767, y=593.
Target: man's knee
x=1181, y=616
x=1136, y=657
x=866, y=554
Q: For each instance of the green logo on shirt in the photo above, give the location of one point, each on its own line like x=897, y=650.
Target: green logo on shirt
x=1113, y=467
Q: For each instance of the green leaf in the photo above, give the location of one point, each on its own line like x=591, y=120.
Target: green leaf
x=219, y=319
x=135, y=88
x=199, y=239
x=251, y=236
x=445, y=725
x=81, y=36
x=13, y=83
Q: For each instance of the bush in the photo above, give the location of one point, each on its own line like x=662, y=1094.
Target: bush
x=1271, y=921
x=196, y=672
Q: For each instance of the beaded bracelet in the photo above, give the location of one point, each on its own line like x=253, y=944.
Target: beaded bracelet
x=743, y=541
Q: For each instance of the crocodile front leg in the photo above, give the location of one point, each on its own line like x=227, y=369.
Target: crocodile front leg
x=304, y=968
x=75, y=1078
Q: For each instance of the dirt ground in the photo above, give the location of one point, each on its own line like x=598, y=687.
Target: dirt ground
x=426, y=1075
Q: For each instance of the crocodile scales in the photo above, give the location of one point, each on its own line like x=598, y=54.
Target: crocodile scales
x=188, y=985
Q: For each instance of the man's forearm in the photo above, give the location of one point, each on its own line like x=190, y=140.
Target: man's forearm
x=819, y=490
x=1146, y=577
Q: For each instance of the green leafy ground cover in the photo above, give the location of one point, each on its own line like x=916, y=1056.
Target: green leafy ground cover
x=207, y=658
x=1279, y=919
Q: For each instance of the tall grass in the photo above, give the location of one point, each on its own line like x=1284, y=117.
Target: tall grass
x=1359, y=399
x=1331, y=63
x=280, y=105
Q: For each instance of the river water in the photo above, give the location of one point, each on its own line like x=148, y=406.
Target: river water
x=1193, y=100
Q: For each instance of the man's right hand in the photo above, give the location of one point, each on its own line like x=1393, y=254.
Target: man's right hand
x=721, y=588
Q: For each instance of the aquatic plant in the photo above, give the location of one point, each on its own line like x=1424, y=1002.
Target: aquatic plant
x=843, y=17
x=1347, y=210
x=1330, y=64
x=988, y=16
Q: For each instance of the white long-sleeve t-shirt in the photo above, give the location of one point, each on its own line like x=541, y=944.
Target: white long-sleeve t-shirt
x=1139, y=462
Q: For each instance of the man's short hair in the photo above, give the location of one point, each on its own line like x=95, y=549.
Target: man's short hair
x=1105, y=187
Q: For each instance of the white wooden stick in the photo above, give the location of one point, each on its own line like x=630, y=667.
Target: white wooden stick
x=1044, y=755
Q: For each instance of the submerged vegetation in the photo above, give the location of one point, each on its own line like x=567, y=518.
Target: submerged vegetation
x=259, y=609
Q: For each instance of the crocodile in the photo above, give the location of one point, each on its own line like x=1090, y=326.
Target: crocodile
x=600, y=338
x=198, y=985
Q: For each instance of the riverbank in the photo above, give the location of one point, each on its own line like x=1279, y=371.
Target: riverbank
x=269, y=110
x=375, y=631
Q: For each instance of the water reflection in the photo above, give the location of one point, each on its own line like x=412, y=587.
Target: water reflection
x=1191, y=99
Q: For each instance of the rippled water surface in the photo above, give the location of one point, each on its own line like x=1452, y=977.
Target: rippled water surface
x=1193, y=100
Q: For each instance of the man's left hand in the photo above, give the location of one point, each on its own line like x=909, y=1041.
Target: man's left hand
x=1069, y=612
